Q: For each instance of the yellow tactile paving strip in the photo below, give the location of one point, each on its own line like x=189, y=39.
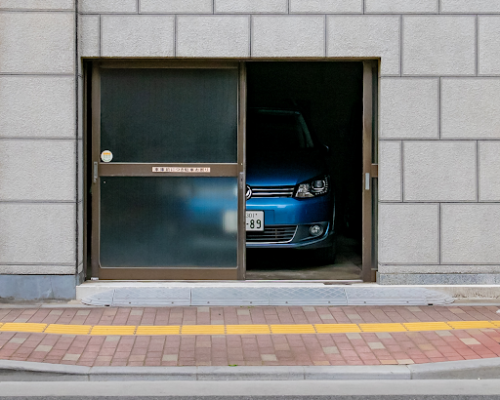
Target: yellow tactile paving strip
x=68, y=329
x=122, y=330
x=426, y=326
x=337, y=328
x=472, y=325
x=290, y=329
x=203, y=330
x=158, y=330
x=382, y=328
x=23, y=327
x=112, y=330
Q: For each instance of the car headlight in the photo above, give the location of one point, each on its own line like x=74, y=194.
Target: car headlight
x=316, y=187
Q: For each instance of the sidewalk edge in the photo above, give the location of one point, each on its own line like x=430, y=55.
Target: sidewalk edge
x=485, y=368
x=468, y=369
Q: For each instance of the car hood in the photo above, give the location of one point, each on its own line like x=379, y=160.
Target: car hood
x=292, y=168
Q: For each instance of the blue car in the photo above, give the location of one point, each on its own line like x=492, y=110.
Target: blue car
x=289, y=199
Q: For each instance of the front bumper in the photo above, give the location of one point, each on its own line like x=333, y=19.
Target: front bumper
x=280, y=213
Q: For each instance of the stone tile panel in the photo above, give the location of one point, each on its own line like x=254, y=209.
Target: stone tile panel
x=401, y=6
x=37, y=106
x=489, y=45
x=291, y=36
x=90, y=41
x=440, y=269
x=176, y=6
x=137, y=36
x=409, y=108
x=439, y=171
x=470, y=108
x=470, y=233
x=66, y=5
x=34, y=233
x=37, y=170
x=439, y=45
x=37, y=42
x=470, y=6
x=209, y=36
x=389, y=180
x=365, y=36
x=326, y=6
x=437, y=279
x=108, y=6
x=408, y=233
x=20, y=269
x=251, y=7
x=489, y=171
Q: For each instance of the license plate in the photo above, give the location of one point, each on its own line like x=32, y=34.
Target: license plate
x=255, y=220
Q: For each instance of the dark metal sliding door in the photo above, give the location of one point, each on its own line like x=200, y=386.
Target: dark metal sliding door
x=168, y=158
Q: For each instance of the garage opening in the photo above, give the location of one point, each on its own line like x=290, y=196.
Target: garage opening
x=294, y=200
x=304, y=154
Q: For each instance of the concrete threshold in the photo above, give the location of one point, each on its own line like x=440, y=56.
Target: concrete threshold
x=303, y=293
x=11, y=371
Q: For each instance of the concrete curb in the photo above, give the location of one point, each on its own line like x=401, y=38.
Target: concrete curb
x=253, y=294
x=30, y=371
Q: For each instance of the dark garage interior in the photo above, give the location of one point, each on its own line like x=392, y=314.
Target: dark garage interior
x=329, y=96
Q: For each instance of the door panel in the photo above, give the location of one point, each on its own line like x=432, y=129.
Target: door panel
x=170, y=202
x=173, y=222
x=170, y=115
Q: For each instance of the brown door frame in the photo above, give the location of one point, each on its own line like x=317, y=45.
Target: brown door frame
x=370, y=170
x=100, y=169
x=369, y=190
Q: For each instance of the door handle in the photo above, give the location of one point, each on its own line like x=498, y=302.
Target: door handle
x=242, y=179
x=96, y=171
x=367, y=181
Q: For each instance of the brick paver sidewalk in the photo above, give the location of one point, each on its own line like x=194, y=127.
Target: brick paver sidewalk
x=359, y=344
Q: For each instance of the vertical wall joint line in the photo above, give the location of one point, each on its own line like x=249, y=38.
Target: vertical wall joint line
x=477, y=172
x=440, y=90
x=250, y=28
x=440, y=223
x=138, y=7
x=175, y=35
x=402, y=172
x=476, y=60
x=100, y=36
x=77, y=120
x=401, y=45
x=325, y=36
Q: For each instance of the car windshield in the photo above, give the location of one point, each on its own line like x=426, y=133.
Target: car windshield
x=275, y=131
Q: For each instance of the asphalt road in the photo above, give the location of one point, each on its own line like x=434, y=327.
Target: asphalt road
x=255, y=390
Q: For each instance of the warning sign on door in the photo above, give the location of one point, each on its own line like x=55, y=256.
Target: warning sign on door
x=193, y=170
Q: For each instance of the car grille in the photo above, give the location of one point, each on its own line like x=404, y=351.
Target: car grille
x=272, y=191
x=273, y=234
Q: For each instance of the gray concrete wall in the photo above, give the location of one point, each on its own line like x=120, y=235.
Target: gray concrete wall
x=439, y=104
x=439, y=114
x=38, y=149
